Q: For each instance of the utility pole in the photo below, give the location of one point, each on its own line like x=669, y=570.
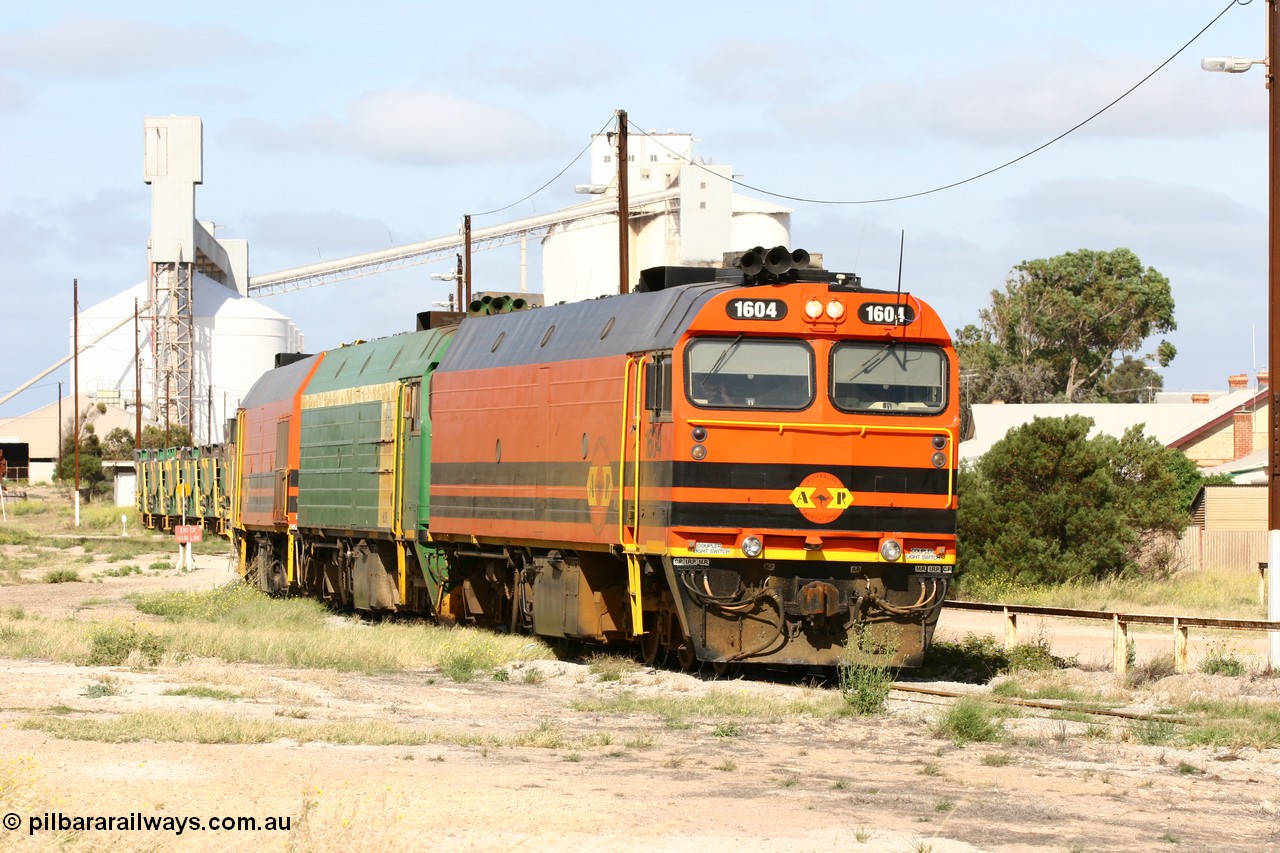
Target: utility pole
x=75, y=371
x=458, y=283
x=1273, y=345
x=624, y=208
x=1237, y=65
x=466, y=249
x=137, y=381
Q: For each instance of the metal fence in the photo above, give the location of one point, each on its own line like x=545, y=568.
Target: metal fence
x=1120, y=623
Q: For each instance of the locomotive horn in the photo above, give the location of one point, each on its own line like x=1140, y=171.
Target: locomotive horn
x=751, y=263
x=476, y=306
x=799, y=259
x=518, y=304
x=778, y=260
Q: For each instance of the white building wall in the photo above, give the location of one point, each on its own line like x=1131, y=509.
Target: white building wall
x=236, y=341
x=748, y=230
x=655, y=160
x=705, y=221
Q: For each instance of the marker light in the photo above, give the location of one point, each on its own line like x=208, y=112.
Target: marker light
x=813, y=309
x=891, y=550
x=699, y=433
x=752, y=546
x=939, y=459
x=699, y=452
x=835, y=310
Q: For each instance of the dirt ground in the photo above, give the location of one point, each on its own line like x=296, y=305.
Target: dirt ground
x=611, y=781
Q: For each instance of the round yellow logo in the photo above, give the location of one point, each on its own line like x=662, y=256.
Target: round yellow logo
x=821, y=497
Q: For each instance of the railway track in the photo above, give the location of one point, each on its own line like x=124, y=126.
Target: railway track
x=1052, y=709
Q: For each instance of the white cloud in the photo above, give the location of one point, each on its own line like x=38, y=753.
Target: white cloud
x=331, y=233
x=411, y=127
x=85, y=44
x=13, y=95
x=1030, y=99
x=544, y=68
x=1169, y=226
x=738, y=71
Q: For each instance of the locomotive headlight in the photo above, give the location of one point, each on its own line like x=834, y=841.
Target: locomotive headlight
x=891, y=550
x=699, y=433
x=939, y=442
x=752, y=546
x=939, y=459
x=699, y=452
x=835, y=310
x=813, y=309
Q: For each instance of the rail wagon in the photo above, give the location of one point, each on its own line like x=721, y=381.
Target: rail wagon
x=183, y=485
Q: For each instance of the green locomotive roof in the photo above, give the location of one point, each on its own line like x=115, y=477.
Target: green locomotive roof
x=383, y=360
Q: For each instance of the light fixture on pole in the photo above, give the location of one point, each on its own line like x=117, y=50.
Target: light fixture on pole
x=1236, y=65
x=457, y=276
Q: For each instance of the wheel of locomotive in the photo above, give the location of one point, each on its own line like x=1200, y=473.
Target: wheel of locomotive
x=255, y=573
x=274, y=581
x=724, y=668
x=650, y=647
x=687, y=658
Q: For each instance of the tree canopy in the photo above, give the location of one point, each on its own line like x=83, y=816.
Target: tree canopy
x=1048, y=504
x=1057, y=329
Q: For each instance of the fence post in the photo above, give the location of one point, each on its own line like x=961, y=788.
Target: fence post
x=1262, y=583
x=1120, y=639
x=1010, y=629
x=1179, y=646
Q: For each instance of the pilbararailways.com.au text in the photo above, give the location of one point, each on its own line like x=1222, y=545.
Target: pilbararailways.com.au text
x=139, y=822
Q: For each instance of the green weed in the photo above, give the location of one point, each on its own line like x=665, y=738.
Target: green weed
x=969, y=721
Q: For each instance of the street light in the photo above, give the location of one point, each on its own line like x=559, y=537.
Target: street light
x=1236, y=65
x=458, y=276
x=1229, y=64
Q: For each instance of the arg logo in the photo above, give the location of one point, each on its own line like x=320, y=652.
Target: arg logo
x=821, y=497
x=600, y=486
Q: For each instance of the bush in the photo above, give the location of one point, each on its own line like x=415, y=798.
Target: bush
x=865, y=687
x=1049, y=505
x=112, y=644
x=969, y=721
x=1222, y=661
x=978, y=659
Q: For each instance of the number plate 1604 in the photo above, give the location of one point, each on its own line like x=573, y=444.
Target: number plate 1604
x=756, y=309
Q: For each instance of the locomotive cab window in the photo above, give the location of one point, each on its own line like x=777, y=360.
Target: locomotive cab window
x=745, y=373
x=892, y=377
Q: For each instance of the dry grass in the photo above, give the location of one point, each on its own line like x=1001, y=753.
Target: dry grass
x=719, y=703
x=235, y=623
x=1222, y=594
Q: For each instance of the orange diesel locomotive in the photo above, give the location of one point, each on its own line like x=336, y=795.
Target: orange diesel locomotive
x=749, y=465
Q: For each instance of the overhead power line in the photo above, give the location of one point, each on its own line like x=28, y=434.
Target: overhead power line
x=991, y=171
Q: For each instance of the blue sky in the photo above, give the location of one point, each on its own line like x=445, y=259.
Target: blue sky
x=330, y=131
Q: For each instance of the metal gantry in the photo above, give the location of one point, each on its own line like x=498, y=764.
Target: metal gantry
x=442, y=248
x=173, y=330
